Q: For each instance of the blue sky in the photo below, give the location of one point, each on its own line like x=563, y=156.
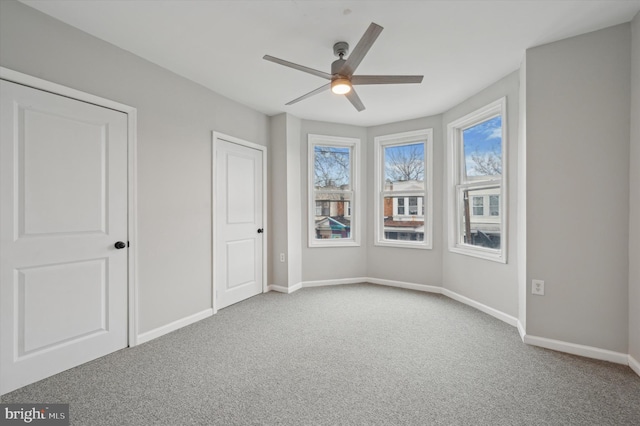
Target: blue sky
x=483, y=139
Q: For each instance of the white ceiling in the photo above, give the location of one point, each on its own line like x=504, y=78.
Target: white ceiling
x=460, y=47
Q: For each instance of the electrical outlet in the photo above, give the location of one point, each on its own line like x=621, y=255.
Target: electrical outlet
x=281, y=257
x=537, y=287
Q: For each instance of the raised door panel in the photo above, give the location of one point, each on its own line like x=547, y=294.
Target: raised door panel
x=47, y=310
x=241, y=183
x=62, y=171
x=241, y=263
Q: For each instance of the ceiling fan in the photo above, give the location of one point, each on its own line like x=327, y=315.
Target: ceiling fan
x=341, y=78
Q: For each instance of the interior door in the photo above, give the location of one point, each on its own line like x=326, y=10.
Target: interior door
x=63, y=186
x=239, y=228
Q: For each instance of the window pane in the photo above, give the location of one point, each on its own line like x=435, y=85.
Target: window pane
x=413, y=205
x=334, y=220
x=401, y=226
x=404, y=167
x=494, y=205
x=482, y=145
x=332, y=167
x=478, y=206
x=477, y=229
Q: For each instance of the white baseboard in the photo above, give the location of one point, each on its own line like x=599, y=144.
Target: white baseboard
x=575, y=349
x=402, y=284
x=282, y=289
x=512, y=321
x=634, y=364
x=322, y=283
x=521, y=330
x=165, y=329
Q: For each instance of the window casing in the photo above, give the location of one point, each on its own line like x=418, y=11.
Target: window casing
x=333, y=186
x=477, y=151
x=403, y=194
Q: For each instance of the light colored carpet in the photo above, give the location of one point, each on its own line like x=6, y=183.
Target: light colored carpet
x=343, y=355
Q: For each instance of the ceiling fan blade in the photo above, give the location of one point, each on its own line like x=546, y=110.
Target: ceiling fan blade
x=322, y=74
x=361, y=49
x=355, y=100
x=386, y=79
x=308, y=95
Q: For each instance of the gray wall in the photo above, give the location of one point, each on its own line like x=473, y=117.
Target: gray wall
x=578, y=188
x=278, y=230
x=285, y=233
x=634, y=212
x=522, y=199
x=294, y=202
x=324, y=263
x=490, y=283
x=175, y=120
x=401, y=264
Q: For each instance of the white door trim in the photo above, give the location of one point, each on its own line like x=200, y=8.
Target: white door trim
x=217, y=136
x=132, y=216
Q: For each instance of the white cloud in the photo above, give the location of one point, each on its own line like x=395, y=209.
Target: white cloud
x=495, y=133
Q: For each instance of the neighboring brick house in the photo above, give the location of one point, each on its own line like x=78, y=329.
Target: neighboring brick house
x=403, y=214
x=333, y=216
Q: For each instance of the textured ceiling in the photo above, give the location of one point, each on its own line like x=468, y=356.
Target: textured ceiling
x=460, y=47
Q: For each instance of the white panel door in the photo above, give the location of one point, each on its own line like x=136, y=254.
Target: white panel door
x=238, y=234
x=63, y=186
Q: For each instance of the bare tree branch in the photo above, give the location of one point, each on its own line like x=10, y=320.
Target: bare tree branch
x=405, y=164
x=331, y=167
x=489, y=164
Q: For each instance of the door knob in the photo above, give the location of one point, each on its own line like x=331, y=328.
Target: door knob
x=260, y=230
x=120, y=245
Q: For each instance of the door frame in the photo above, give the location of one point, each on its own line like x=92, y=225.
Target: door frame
x=216, y=137
x=132, y=184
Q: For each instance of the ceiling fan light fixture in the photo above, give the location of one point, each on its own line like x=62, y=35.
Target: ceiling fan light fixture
x=341, y=86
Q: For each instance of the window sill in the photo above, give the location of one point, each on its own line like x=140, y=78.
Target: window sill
x=406, y=245
x=315, y=244
x=487, y=254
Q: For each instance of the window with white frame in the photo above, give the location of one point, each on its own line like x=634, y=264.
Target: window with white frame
x=477, y=161
x=403, y=176
x=333, y=191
